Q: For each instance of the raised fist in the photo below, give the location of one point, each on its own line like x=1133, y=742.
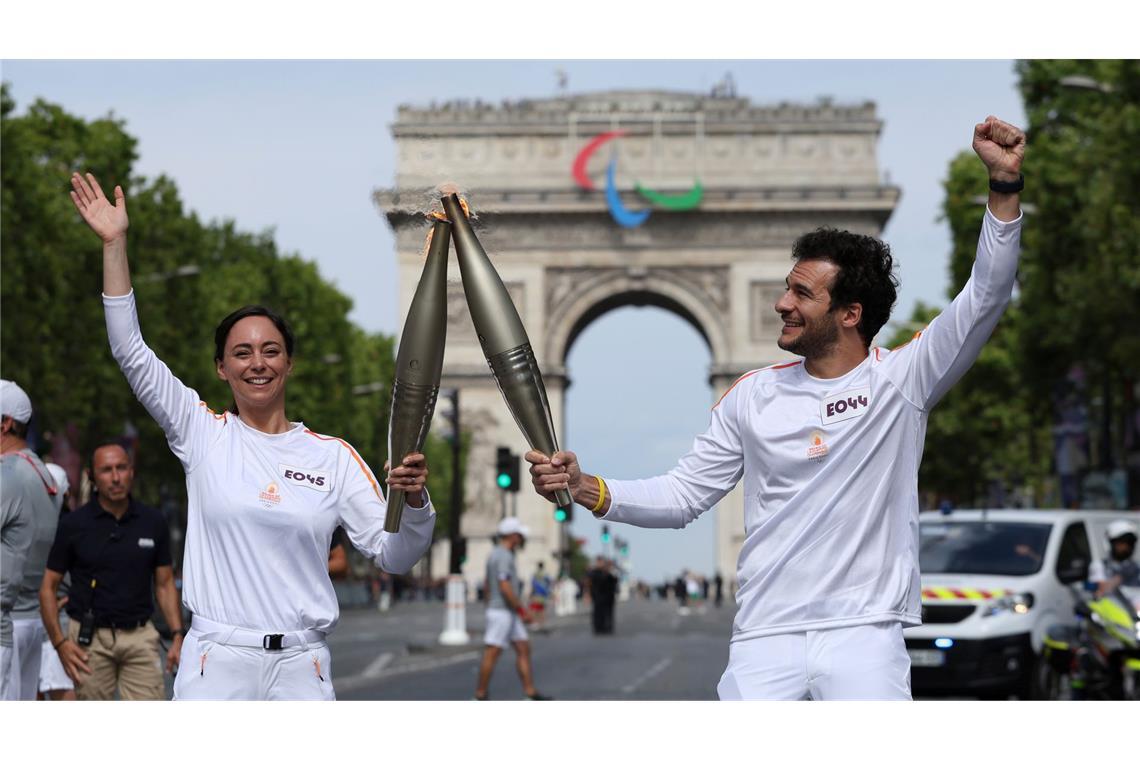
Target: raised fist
x=1001, y=147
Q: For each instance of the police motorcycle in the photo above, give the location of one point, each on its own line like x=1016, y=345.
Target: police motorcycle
x=1097, y=656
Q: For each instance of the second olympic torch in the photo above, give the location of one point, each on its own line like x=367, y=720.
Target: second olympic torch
x=419, y=364
x=503, y=339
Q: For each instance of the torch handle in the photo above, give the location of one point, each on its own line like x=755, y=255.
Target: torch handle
x=396, y=501
x=564, y=498
x=520, y=381
x=412, y=408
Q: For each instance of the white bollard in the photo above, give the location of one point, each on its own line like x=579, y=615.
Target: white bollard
x=566, y=593
x=455, y=614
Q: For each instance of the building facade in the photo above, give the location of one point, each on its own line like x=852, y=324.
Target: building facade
x=561, y=187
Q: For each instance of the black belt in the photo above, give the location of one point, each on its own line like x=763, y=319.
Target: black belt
x=128, y=625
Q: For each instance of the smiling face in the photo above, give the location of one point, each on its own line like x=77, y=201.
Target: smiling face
x=255, y=364
x=810, y=328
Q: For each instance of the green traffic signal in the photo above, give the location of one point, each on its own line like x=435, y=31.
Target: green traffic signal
x=560, y=514
x=504, y=480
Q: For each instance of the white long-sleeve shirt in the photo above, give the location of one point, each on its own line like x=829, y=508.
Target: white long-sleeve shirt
x=262, y=508
x=830, y=468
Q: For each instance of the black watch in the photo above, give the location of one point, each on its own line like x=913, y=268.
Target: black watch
x=1008, y=187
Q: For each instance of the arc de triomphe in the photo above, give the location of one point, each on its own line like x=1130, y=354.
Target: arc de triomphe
x=767, y=174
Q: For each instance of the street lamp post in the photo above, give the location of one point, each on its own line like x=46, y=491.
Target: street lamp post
x=455, y=614
x=186, y=270
x=1082, y=82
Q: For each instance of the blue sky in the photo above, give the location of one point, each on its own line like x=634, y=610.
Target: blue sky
x=299, y=146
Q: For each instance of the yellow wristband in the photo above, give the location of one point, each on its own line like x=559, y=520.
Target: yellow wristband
x=601, y=493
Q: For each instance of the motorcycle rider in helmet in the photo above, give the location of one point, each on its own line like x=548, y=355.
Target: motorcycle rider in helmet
x=1119, y=569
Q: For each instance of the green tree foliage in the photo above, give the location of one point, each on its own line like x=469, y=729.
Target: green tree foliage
x=1078, y=294
x=984, y=429
x=1081, y=270
x=187, y=276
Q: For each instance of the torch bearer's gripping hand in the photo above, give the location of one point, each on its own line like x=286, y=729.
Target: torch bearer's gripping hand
x=410, y=477
x=557, y=473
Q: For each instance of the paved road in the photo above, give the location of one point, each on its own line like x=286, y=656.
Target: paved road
x=655, y=653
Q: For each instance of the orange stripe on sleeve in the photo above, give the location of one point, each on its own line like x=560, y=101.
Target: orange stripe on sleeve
x=913, y=338
x=217, y=416
x=747, y=375
x=359, y=461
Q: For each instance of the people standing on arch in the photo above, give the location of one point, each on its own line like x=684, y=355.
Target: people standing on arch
x=828, y=448
x=265, y=495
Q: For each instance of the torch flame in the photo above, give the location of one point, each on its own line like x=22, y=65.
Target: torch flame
x=439, y=214
x=442, y=215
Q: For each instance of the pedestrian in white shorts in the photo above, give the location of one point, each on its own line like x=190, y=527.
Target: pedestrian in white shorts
x=506, y=615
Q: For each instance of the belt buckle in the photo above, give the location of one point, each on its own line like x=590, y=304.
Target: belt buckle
x=273, y=641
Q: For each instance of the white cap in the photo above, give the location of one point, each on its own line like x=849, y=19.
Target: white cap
x=14, y=402
x=509, y=525
x=60, y=475
x=1118, y=528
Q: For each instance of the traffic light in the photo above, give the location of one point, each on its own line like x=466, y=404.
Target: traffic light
x=506, y=473
x=563, y=514
x=605, y=534
x=514, y=472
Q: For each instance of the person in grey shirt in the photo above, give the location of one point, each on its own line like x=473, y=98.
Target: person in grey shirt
x=506, y=616
x=30, y=517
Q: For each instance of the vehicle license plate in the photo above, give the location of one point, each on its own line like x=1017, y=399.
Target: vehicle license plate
x=927, y=658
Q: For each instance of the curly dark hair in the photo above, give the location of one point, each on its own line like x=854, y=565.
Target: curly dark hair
x=865, y=274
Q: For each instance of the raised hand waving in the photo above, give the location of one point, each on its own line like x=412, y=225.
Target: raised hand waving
x=108, y=221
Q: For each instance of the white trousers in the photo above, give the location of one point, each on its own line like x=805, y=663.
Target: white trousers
x=52, y=675
x=211, y=669
x=861, y=662
x=22, y=660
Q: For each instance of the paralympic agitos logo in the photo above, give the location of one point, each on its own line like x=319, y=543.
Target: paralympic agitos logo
x=622, y=215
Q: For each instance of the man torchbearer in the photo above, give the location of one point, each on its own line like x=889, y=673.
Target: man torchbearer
x=828, y=448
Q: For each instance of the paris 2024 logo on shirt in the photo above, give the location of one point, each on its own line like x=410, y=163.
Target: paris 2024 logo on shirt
x=817, y=448
x=270, y=496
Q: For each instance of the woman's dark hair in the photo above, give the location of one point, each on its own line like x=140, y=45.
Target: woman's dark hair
x=865, y=273
x=227, y=324
x=223, y=332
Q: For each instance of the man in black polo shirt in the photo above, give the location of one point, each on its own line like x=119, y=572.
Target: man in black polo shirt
x=114, y=547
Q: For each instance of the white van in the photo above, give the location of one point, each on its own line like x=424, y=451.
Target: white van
x=993, y=581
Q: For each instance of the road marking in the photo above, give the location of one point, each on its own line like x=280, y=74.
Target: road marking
x=647, y=675
x=378, y=670
x=438, y=662
x=378, y=665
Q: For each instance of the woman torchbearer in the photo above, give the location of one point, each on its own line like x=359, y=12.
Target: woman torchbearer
x=265, y=495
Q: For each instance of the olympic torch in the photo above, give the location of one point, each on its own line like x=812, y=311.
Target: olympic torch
x=503, y=339
x=419, y=364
